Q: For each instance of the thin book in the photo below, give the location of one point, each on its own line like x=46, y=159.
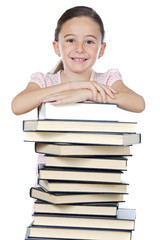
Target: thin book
x=85, y=187
x=120, y=139
x=70, y=198
x=110, y=163
x=78, y=125
x=63, y=149
x=49, y=233
x=124, y=220
x=77, y=209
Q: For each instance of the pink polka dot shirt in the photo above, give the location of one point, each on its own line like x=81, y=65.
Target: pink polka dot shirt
x=48, y=80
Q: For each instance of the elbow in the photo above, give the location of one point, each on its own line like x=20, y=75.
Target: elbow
x=15, y=108
x=140, y=105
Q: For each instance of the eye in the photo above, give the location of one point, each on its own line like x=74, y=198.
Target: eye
x=89, y=42
x=70, y=40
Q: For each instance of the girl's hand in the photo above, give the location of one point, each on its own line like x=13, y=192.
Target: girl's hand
x=71, y=96
x=82, y=91
x=96, y=88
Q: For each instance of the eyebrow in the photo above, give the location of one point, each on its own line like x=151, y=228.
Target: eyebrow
x=69, y=35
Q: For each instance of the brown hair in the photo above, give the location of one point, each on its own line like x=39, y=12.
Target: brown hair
x=79, y=11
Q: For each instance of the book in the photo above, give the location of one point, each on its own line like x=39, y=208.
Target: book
x=35, y=232
x=79, y=125
x=81, y=149
x=78, y=209
x=110, y=163
x=122, y=139
x=124, y=220
x=85, y=187
x=69, y=198
x=51, y=173
x=78, y=111
x=79, y=186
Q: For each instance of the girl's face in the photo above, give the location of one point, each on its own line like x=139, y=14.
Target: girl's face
x=79, y=44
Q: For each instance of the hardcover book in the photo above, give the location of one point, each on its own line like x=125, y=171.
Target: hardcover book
x=49, y=233
x=110, y=163
x=122, y=139
x=78, y=111
x=68, y=174
x=123, y=221
x=64, y=149
x=70, y=198
x=107, y=209
x=79, y=125
x=85, y=187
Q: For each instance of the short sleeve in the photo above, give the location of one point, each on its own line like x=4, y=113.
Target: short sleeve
x=39, y=79
x=107, y=78
x=112, y=76
x=45, y=80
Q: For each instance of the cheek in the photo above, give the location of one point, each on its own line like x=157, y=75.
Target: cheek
x=65, y=49
x=95, y=52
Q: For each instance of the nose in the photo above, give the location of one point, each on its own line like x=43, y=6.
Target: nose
x=79, y=47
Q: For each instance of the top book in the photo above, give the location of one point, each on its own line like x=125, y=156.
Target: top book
x=78, y=111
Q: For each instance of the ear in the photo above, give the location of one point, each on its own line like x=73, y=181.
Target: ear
x=102, y=50
x=56, y=48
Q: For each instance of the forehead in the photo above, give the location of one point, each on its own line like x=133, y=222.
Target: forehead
x=80, y=25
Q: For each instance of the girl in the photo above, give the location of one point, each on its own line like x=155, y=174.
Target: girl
x=79, y=41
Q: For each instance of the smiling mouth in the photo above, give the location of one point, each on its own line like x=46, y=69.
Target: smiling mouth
x=80, y=60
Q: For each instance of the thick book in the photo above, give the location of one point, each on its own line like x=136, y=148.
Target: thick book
x=69, y=198
x=78, y=111
x=85, y=187
x=79, y=125
x=65, y=174
x=81, y=149
x=35, y=232
x=110, y=163
x=124, y=220
x=77, y=209
x=122, y=139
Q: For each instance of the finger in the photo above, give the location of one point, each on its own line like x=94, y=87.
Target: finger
x=109, y=91
x=113, y=90
x=101, y=91
x=90, y=86
x=94, y=91
x=106, y=86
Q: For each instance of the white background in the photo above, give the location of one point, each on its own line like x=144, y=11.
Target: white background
x=133, y=39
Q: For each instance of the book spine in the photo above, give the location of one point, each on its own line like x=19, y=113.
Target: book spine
x=140, y=138
x=30, y=192
x=23, y=123
x=35, y=147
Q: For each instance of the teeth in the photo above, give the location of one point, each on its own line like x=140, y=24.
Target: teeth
x=79, y=59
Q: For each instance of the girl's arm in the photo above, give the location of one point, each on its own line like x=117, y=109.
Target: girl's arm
x=33, y=95
x=71, y=92
x=126, y=98
x=30, y=97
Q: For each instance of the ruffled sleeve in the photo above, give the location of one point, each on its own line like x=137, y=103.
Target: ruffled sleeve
x=39, y=79
x=112, y=76
x=107, y=78
x=45, y=80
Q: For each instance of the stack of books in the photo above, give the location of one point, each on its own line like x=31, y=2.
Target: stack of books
x=80, y=185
